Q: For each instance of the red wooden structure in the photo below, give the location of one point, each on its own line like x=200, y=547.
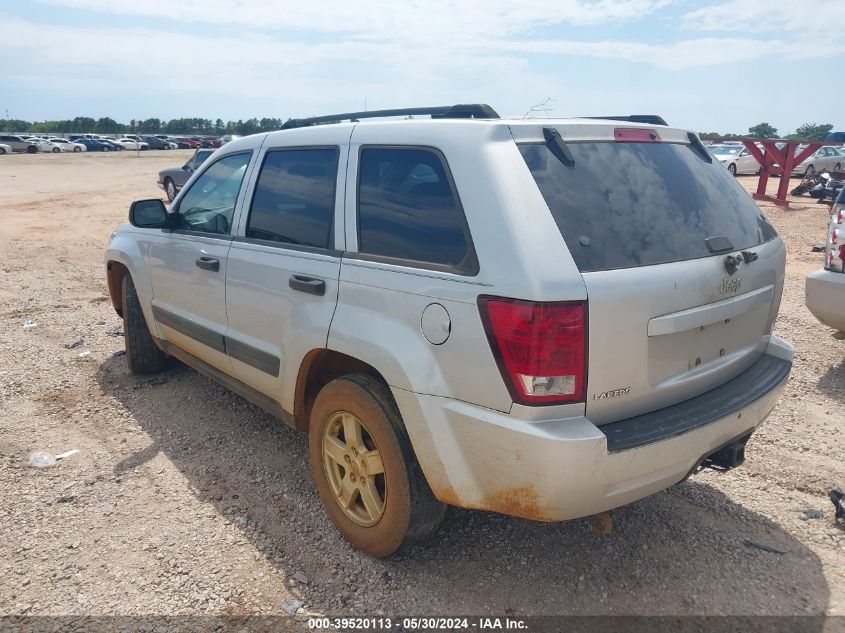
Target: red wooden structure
x=774, y=160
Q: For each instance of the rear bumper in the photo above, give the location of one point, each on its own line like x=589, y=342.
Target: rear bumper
x=825, y=297
x=563, y=469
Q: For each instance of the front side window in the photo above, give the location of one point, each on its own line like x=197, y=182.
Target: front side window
x=209, y=205
x=408, y=209
x=294, y=198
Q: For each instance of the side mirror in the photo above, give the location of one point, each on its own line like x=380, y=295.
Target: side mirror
x=149, y=214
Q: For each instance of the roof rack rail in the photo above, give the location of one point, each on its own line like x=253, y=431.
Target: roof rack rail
x=461, y=111
x=653, y=119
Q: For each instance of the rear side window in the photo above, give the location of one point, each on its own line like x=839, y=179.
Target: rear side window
x=622, y=205
x=408, y=210
x=294, y=197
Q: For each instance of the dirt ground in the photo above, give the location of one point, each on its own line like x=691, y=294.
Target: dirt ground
x=184, y=499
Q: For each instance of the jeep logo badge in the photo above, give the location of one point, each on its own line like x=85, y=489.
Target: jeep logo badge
x=730, y=285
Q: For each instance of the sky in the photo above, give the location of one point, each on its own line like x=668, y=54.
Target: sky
x=705, y=65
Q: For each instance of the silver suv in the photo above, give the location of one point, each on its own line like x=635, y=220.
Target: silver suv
x=542, y=318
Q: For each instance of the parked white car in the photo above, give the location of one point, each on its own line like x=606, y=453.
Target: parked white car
x=468, y=310
x=68, y=146
x=44, y=145
x=5, y=149
x=825, y=288
x=823, y=159
x=736, y=158
x=130, y=143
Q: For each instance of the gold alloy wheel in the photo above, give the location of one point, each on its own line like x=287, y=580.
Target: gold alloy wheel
x=354, y=469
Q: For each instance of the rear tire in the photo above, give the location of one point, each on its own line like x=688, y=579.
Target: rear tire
x=77, y=149
x=407, y=511
x=142, y=354
x=32, y=149
x=170, y=189
x=56, y=150
x=837, y=167
x=811, y=171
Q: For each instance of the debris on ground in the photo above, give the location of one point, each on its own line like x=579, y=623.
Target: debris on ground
x=120, y=352
x=84, y=354
x=763, y=546
x=43, y=459
x=810, y=513
x=603, y=524
x=818, y=248
x=76, y=343
x=292, y=606
x=29, y=324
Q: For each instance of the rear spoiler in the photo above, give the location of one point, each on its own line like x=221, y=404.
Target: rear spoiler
x=651, y=119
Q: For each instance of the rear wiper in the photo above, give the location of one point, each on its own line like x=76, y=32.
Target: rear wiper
x=557, y=147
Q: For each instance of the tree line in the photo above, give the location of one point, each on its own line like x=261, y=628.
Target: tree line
x=806, y=132
x=107, y=125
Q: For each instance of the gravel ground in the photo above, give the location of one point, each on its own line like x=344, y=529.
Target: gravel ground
x=184, y=499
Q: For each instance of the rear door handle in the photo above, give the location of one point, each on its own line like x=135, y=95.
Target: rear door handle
x=209, y=263
x=308, y=284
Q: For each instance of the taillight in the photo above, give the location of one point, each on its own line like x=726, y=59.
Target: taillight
x=541, y=348
x=834, y=236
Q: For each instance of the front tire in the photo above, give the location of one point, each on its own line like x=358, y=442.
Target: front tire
x=142, y=354
x=837, y=167
x=811, y=171
x=32, y=149
x=365, y=470
x=56, y=150
x=732, y=169
x=77, y=149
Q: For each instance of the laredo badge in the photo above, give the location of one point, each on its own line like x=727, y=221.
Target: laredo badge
x=612, y=394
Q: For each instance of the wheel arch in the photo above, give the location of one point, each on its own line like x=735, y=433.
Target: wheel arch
x=318, y=368
x=115, y=271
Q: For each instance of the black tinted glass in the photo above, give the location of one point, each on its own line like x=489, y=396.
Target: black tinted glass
x=294, y=197
x=638, y=204
x=407, y=208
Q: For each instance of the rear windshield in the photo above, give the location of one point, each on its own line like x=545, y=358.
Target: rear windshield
x=622, y=205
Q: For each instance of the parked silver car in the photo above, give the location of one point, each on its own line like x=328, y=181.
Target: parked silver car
x=19, y=144
x=823, y=159
x=5, y=149
x=542, y=318
x=736, y=159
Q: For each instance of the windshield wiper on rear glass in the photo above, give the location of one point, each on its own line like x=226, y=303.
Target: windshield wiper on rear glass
x=556, y=146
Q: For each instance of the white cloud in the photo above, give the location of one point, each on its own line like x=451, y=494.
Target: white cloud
x=680, y=55
x=406, y=20
x=760, y=16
